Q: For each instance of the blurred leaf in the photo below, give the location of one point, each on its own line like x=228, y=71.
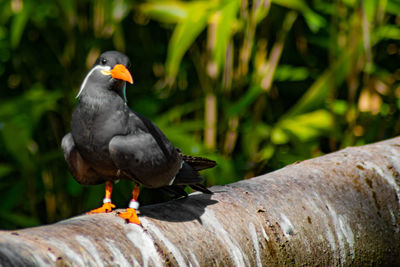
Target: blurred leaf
x=120, y=10
x=339, y=107
x=176, y=112
x=16, y=139
x=252, y=135
x=350, y=3
x=223, y=19
x=73, y=187
x=318, y=92
x=69, y=7
x=279, y=137
x=19, y=220
x=387, y=32
x=314, y=21
x=11, y=196
x=308, y=126
x=290, y=73
x=33, y=103
x=186, y=31
x=246, y=100
x=166, y=11
x=370, y=8
x=267, y=152
x=5, y=169
x=19, y=118
x=393, y=7
x=19, y=22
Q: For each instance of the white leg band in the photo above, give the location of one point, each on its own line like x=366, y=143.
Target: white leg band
x=106, y=200
x=133, y=204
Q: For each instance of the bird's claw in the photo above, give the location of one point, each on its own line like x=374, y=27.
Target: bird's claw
x=107, y=207
x=130, y=216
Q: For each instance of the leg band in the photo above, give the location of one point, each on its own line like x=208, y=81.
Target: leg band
x=133, y=204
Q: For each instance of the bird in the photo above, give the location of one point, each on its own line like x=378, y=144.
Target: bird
x=108, y=141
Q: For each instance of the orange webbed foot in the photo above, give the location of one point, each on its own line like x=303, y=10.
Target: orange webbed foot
x=130, y=216
x=107, y=207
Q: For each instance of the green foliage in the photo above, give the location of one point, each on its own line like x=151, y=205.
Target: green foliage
x=255, y=85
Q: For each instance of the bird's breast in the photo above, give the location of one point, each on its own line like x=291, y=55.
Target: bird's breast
x=92, y=130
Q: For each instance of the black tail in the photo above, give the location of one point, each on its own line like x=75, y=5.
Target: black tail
x=188, y=175
x=178, y=191
x=201, y=188
x=198, y=163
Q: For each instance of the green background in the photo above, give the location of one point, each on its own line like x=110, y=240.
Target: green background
x=254, y=85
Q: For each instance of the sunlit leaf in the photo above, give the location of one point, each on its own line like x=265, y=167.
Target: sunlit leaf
x=166, y=11
x=290, y=73
x=279, y=137
x=308, y=126
x=186, y=31
x=267, y=152
x=223, y=20
x=387, y=32
x=339, y=107
x=314, y=20
x=393, y=7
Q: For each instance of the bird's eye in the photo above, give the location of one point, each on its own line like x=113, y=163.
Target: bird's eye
x=103, y=61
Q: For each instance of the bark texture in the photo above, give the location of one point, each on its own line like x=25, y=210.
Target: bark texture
x=339, y=209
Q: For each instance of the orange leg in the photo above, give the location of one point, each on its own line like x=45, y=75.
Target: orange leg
x=130, y=214
x=107, y=205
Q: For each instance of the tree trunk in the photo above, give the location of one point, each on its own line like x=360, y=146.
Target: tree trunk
x=339, y=209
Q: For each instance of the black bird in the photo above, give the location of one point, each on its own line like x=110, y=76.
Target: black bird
x=109, y=141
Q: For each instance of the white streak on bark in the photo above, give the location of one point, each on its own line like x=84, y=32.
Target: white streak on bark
x=264, y=233
x=194, y=262
x=287, y=226
x=384, y=174
x=172, y=248
x=87, y=245
x=145, y=245
x=254, y=238
x=119, y=258
x=66, y=249
x=210, y=221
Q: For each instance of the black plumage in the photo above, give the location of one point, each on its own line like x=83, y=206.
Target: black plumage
x=108, y=141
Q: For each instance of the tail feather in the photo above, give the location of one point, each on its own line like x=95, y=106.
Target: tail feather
x=198, y=163
x=175, y=191
x=201, y=188
x=188, y=175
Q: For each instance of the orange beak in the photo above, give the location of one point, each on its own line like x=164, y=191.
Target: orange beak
x=122, y=73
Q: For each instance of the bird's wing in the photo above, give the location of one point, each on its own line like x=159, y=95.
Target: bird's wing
x=198, y=163
x=145, y=153
x=139, y=155
x=137, y=120
x=150, y=157
x=80, y=169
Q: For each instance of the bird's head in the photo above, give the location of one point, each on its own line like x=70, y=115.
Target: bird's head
x=110, y=71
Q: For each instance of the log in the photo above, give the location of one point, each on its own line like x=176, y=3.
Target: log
x=339, y=209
